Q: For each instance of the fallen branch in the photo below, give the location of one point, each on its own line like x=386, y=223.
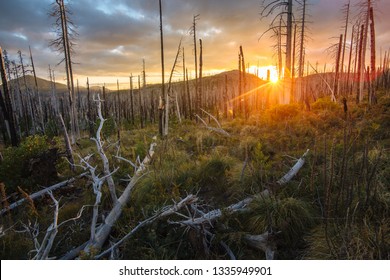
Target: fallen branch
x=43, y=192
x=333, y=96
x=166, y=211
x=99, y=146
x=215, y=129
x=264, y=242
x=241, y=205
x=105, y=229
x=51, y=232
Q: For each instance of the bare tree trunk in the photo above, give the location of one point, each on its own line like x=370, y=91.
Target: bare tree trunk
x=195, y=18
x=245, y=97
x=68, y=68
x=360, y=75
x=280, y=59
x=239, y=98
x=345, y=34
x=131, y=100
x=225, y=99
x=89, y=113
x=337, y=71
x=350, y=61
x=289, y=38
x=364, y=49
x=29, y=111
x=200, y=86
x=185, y=108
x=287, y=70
x=188, y=95
x=301, y=47
x=69, y=151
x=141, y=113
x=8, y=110
x=37, y=94
x=162, y=101
x=372, y=96
x=292, y=91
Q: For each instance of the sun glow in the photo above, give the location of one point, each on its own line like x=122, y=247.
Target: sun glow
x=267, y=73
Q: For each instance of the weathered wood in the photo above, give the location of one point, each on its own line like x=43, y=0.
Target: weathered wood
x=7, y=104
x=241, y=205
x=166, y=211
x=99, y=147
x=43, y=192
x=104, y=231
x=262, y=242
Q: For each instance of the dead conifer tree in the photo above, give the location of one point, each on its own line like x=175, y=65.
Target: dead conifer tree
x=337, y=70
x=65, y=31
x=193, y=33
x=269, y=7
x=360, y=70
x=131, y=100
x=6, y=105
x=372, y=95
x=200, y=85
x=162, y=100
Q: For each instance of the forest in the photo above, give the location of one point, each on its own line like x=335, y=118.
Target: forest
x=224, y=166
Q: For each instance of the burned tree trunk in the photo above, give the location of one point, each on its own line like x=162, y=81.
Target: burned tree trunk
x=337, y=71
x=7, y=105
x=200, y=85
x=372, y=95
x=162, y=100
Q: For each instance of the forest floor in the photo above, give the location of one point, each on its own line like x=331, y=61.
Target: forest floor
x=336, y=207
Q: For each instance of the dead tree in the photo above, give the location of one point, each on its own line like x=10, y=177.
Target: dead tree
x=338, y=68
x=162, y=101
x=99, y=234
x=169, y=93
x=360, y=73
x=131, y=92
x=193, y=32
x=244, y=85
x=200, y=85
x=36, y=89
x=65, y=31
x=262, y=242
x=6, y=105
x=372, y=95
x=268, y=9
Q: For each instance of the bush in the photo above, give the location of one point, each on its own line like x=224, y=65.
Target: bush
x=14, y=169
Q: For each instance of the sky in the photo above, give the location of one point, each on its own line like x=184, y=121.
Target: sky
x=114, y=37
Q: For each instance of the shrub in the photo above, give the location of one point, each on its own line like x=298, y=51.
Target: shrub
x=14, y=169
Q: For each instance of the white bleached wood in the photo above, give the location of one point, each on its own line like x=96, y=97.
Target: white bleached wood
x=241, y=205
x=166, y=211
x=99, y=146
x=43, y=192
x=215, y=129
x=105, y=229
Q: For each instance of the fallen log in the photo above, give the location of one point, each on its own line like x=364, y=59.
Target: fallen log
x=166, y=211
x=241, y=205
x=104, y=230
x=42, y=192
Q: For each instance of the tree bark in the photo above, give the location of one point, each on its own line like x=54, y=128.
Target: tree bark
x=6, y=101
x=162, y=101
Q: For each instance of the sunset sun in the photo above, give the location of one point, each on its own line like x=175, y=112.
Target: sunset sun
x=269, y=73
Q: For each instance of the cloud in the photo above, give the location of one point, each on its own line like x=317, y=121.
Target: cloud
x=115, y=36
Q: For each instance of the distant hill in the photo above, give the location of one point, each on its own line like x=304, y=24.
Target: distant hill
x=44, y=85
